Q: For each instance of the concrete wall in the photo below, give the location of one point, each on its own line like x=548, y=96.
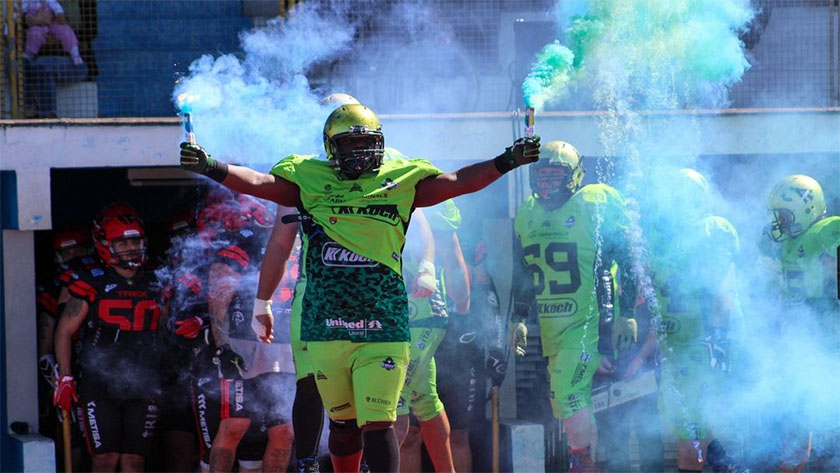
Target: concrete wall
x=32, y=148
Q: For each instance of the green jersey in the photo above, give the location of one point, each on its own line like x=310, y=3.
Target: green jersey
x=689, y=273
x=805, y=275
x=353, y=254
x=564, y=249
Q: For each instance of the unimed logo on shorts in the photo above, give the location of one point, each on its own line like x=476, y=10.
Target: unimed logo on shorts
x=333, y=254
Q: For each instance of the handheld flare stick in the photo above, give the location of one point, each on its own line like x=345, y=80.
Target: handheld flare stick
x=185, y=101
x=529, y=122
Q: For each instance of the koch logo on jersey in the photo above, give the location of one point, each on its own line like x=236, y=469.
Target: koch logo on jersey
x=382, y=213
x=333, y=254
x=557, y=308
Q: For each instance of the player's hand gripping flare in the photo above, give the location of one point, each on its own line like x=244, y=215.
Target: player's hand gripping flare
x=194, y=158
x=519, y=339
x=65, y=393
x=262, y=320
x=624, y=333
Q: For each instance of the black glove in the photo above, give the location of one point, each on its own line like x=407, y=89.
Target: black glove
x=196, y=159
x=496, y=366
x=231, y=365
x=523, y=151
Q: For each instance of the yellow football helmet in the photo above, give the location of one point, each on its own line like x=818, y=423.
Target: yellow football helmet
x=338, y=99
x=796, y=202
x=690, y=196
x=353, y=140
x=562, y=155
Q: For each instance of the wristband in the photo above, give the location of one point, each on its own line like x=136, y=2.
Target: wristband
x=262, y=306
x=216, y=170
x=504, y=162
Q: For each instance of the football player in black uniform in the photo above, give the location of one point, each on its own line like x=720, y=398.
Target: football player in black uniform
x=118, y=302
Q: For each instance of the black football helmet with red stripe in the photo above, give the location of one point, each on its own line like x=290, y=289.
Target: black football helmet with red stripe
x=110, y=231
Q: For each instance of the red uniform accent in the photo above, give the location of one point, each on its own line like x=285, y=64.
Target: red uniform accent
x=237, y=254
x=83, y=290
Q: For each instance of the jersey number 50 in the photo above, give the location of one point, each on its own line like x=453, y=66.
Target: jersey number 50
x=567, y=264
x=112, y=311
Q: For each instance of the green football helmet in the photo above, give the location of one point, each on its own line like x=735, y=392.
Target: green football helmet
x=353, y=140
x=562, y=155
x=795, y=203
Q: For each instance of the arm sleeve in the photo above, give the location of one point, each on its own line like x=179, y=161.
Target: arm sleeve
x=522, y=284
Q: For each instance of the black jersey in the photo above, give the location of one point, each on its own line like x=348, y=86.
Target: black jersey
x=120, y=346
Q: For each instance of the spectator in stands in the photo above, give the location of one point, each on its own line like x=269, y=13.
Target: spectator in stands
x=46, y=17
x=47, y=66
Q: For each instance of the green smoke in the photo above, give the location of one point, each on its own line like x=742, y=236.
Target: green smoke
x=643, y=53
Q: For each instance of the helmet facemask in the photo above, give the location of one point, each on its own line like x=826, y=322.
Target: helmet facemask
x=359, y=151
x=129, y=251
x=557, y=177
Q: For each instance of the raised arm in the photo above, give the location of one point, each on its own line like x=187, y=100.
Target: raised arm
x=239, y=178
x=472, y=178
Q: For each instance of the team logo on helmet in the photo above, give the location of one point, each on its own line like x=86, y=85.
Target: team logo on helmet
x=795, y=203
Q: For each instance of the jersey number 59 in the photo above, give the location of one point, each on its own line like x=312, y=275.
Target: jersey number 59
x=561, y=257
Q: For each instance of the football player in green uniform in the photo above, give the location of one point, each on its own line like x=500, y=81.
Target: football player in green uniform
x=808, y=262
x=355, y=209
x=698, y=305
x=569, y=237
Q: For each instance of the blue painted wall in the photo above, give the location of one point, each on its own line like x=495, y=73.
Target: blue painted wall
x=143, y=46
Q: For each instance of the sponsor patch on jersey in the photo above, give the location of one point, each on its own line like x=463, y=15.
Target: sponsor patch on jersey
x=246, y=233
x=546, y=223
x=389, y=364
x=563, y=307
x=386, y=213
x=570, y=222
x=333, y=220
x=389, y=184
x=378, y=400
x=355, y=327
x=669, y=325
x=356, y=188
x=96, y=272
x=110, y=287
x=320, y=375
x=341, y=407
x=333, y=254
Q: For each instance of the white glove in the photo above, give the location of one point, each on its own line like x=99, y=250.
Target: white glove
x=262, y=320
x=519, y=339
x=425, y=280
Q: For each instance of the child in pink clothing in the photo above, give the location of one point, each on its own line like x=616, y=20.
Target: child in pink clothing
x=46, y=17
